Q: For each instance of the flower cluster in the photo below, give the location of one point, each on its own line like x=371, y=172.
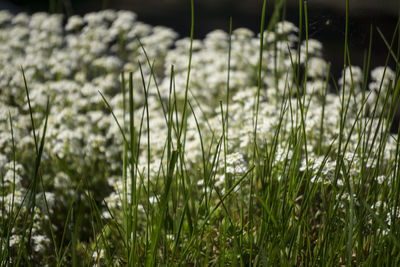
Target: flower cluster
x=281, y=117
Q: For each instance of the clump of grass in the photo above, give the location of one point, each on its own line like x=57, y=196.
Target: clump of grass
x=271, y=168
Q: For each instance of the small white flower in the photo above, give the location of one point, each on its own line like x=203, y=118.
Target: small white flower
x=381, y=179
x=74, y=23
x=285, y=27
x=353, y=76
x=317, y=68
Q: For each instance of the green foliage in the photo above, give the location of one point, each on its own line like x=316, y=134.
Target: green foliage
x=233, y=150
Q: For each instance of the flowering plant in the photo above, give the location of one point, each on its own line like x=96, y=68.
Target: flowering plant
x=234, y=149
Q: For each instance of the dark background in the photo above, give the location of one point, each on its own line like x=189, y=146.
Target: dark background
x=326, y=19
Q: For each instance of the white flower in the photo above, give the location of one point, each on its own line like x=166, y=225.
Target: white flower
x=317, y=67
x=242, y=33
x=93, y=19
x=40, y=242
x=217, y=39
x=153, y=200
x=380, y=73
x=98, y=254
x=21, y=19
x=235, y=163
x=353, y=75
x=5, y=17
x=74, y=23
x=124, y=21
x=15, y=240
x=314, y=47
x=285, y=27
x=381, y=179
x=381, y=78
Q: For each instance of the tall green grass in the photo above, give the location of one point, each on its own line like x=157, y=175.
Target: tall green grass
x=256, y=220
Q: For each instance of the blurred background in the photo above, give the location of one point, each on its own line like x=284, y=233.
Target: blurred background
x=326, y=19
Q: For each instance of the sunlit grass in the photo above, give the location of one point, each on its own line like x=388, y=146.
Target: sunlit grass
x=292, y=169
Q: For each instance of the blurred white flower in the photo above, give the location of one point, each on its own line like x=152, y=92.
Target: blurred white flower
x=317, y=67
x=74, y=23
